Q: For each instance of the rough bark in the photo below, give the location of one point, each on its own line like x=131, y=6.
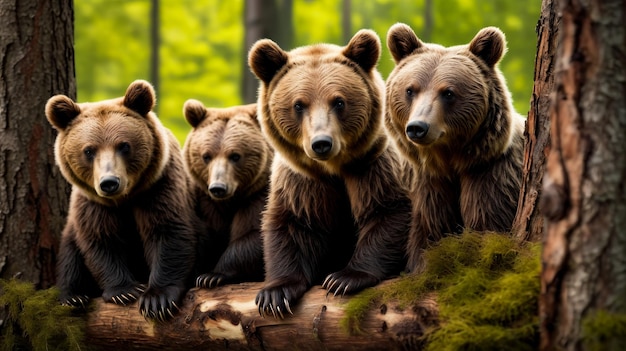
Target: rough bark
x=227, y=319
x=528, y=223
x=264, y=19
x=36, y=62
x=584, y=197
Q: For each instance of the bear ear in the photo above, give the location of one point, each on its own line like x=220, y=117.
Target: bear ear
x=489, y=45
x=140, y=97
x=194, y=112
x=61, y=110
x=364, y=49
x=402, y=41
x=265, y=59
x=252, y=111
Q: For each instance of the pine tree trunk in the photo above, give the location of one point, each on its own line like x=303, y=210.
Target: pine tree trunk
x=584, y=197
x=226, y=318
x=264, y=19
x=36, y=62
x=528, y=223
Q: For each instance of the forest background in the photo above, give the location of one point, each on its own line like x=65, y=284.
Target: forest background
x=201, y=52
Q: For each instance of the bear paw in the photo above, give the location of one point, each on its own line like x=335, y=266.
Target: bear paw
x=211, y=280
x=348, y=281
x=159, y=303
x=277, y=300
x=75, y=301
x=123, y=295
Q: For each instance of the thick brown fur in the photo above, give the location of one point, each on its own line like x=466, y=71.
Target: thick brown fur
x=338, y=208
x=228, y=161
x=129, y=232
x=451, y=114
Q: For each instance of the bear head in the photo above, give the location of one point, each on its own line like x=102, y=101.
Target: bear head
x=109, y=149
x=450, y=101
x=320, y=106
x=225, y=153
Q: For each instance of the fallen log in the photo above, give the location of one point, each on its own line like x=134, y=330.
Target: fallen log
x=226, y=318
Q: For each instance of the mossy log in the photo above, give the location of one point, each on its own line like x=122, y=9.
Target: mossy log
x=227, y=318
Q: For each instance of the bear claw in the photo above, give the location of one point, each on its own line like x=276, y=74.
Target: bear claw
x=210, y=280
x=76, y=301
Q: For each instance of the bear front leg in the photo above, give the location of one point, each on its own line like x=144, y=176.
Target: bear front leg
x=243, y=258
x=292, y=254
x=74, y=280
x=380, y=249
x=436, y=213
x=170, y=250
x=108, y=263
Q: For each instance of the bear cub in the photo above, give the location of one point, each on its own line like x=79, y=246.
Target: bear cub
x=129, y=232
x=338, y=213
x=451, y=115
x=228, y=163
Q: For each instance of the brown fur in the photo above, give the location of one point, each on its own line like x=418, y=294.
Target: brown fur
x=337, y=206
x=130, y=220
x=228, y=162
x=468, y=163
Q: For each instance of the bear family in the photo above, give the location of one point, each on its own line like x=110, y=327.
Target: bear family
x=451, y=114
x=130, y=229
x=228, y=162
x=338, y=213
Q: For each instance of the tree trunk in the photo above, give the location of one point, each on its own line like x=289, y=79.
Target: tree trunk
x=584, y=196
x=227, y=318
x=528, y=223
x=264, y=19
x=36, y=62
x=155, y=44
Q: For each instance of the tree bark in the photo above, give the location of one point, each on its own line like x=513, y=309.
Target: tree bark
x=227, y=318
x=36, y=62
x=528, y=223
x=264, y=19
x=584, y=195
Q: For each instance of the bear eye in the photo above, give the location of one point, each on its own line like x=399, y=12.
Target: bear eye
x=409, y=93
x=339, y=104
x=124, y=148
x=234, y=157
x=448, y=95
x=299, y=107
x=90, y=153
x=206, y=158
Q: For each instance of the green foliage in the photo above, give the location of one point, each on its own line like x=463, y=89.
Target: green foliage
x=202, y=53
x=37, y=321
x=601, y=329
x=487, y=288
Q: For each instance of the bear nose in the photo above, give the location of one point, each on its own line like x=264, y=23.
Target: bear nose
x=322, y=144
x=417, y=130
x=218, y=190
x=109, y=184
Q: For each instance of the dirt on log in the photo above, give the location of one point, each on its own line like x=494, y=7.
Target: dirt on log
x=227, y=318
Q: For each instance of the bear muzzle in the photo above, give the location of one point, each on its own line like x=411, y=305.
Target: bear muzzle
x=109, y=185
x=218, y=190
x=322, y=145
x=417, y=130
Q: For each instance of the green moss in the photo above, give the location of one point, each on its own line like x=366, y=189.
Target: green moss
x=604, y=330
x=487, y=287
x=37, y=321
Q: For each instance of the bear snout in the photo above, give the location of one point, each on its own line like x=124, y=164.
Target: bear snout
x=417, y=130
x=218, y=190
x=321, y=145
x=109, y=185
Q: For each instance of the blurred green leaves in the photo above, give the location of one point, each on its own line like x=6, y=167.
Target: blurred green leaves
x=202, y=50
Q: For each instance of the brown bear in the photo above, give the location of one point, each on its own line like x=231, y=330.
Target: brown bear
x=129, y=232
x=228, y=162
x=451, y=114
x=337, y=208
